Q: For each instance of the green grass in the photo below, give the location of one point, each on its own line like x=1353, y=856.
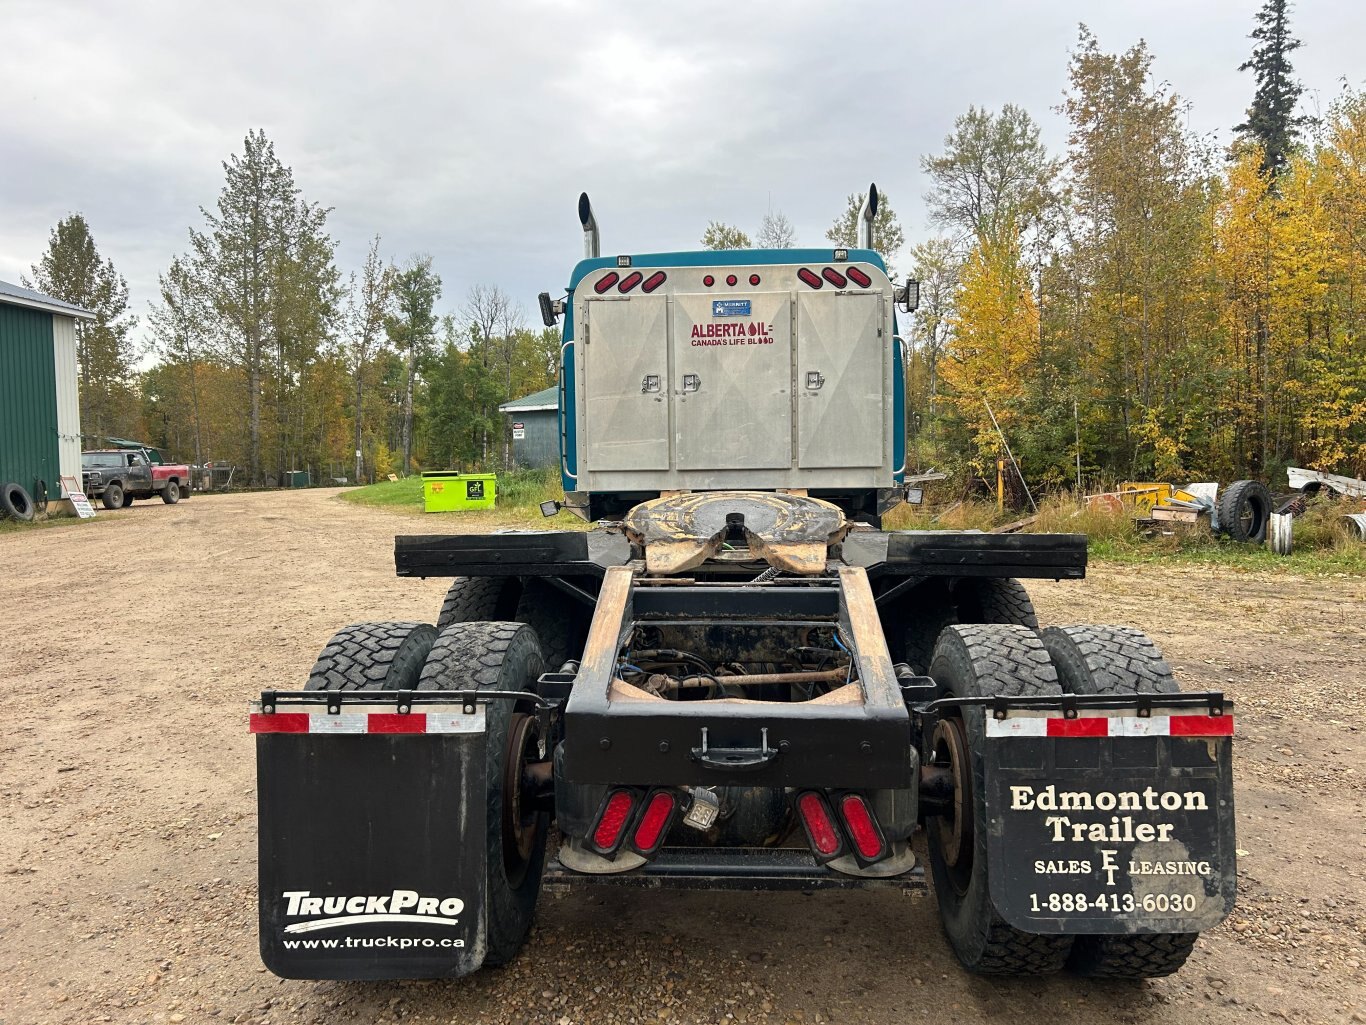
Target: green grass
x=519, y=496
x=9, y=526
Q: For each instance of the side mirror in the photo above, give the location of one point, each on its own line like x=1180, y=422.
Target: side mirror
x=549, y=508
x=908, y=296
x=550, y=309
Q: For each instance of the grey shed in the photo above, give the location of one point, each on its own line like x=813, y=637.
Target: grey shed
x=534, y=421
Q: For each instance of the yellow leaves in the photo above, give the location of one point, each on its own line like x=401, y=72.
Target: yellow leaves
x=994, y=340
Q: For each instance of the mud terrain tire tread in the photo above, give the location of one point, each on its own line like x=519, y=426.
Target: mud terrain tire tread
x=557, y=620
x=1117, y=660
x=471, y=600
x=373, y=656
x=973, y=661
x=996, y=600
x=495, y=656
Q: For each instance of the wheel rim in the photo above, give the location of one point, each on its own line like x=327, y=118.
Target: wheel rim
x=954, y=833
x=521, y=825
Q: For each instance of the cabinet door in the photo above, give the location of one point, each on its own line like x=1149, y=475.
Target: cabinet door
x=626, y=367
x=732, y=381
x=841, y=362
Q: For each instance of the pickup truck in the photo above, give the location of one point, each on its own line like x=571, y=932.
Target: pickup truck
x=117, y=476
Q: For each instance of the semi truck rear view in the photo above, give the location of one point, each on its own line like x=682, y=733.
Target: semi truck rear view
x=736, y=679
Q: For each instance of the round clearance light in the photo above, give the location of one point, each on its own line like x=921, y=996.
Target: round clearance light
x=754, y=279
x=731, y=279
x=709, y=281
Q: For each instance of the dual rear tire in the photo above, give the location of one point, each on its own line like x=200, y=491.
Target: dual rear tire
x=1014, y=660
x=464, y=657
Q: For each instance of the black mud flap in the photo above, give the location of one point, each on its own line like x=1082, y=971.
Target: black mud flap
x=1110, y=823
x=371, y=840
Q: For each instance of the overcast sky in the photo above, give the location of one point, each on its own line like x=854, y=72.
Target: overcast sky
x=467, y=130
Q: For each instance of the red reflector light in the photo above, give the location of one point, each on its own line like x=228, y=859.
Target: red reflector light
x=858, y=277
x=654, y=281
x=654, y=821
x=709, y=281
x=612, y=822
x=605, y=282
x=731, y=279
x=754, y=279
x=862, y=827
x=834, y=277
x=820, y=827
x=630, y=281
x=809, y=277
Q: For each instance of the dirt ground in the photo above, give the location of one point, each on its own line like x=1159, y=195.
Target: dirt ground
x=130, y=647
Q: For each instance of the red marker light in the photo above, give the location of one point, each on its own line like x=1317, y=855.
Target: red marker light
x=654, y=281
x=630, y=281
x=754, y=279
x=809, y=277
x=709, y=281
x=731, y=279
x=858, y=277
x=820, y=827
x=612, y=823
x=862, y=826
x=834, y=277
x=606, y=281
x=654, y=822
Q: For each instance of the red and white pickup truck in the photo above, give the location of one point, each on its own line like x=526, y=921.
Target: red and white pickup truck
x=118, y=475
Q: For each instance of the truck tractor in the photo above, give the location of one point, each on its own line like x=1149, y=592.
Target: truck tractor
x=737, y=679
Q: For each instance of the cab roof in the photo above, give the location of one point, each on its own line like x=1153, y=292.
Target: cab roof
x=724, y=258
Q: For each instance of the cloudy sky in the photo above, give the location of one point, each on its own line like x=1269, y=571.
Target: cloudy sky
x=467, y=130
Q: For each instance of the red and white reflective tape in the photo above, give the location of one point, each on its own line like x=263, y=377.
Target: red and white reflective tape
x=1112, y=726
x=366, y=722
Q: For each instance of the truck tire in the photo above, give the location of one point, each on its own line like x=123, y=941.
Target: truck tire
x=977, y=661
x=557, y=618
x=170, y=494
x=473, y=600
x=127, y=500
x=500, y=656
x=972, y=600
x=1117, y=660
x=1244, y=511
x=112, y=498
x=15, y=502
x=373, y=656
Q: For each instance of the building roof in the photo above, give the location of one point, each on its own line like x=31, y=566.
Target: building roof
x=14, y=295
x=546, y=398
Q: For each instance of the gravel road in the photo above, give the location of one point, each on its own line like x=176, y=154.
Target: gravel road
x=129, y=649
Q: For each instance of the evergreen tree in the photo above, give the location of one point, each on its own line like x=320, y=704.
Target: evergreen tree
x=368, y=307
x=1271, y=120
x=72, y=270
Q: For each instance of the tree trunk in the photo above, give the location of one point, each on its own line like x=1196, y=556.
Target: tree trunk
x=408, y=416
x=360, y=381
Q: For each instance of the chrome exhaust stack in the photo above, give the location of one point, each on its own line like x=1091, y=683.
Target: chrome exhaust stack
x=592, y=244
x=866, y=212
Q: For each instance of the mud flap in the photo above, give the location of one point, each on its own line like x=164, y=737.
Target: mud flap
x=371, y=841
x=1110, y=823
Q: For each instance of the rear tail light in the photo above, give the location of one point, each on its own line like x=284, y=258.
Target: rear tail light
x=834, y=277
x=612, y=821
x=810, y=277
x=654, y=823
x=821, y=831
x=869, y=844
x=630, y=281
x=606, y=281
x=858, y=277
x=654, y=281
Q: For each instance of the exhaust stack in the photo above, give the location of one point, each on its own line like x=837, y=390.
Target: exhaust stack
x=592, y=244
x=866, y=212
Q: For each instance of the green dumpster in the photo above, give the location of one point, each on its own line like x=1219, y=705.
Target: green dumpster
x=448, y=491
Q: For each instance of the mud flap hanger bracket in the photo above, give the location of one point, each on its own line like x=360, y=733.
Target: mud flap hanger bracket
x=406, y=700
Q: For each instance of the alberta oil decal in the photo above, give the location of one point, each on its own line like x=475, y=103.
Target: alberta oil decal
x=754, y=332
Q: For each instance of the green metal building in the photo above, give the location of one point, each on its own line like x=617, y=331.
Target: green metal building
x=40, y=415
x=534, y=421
